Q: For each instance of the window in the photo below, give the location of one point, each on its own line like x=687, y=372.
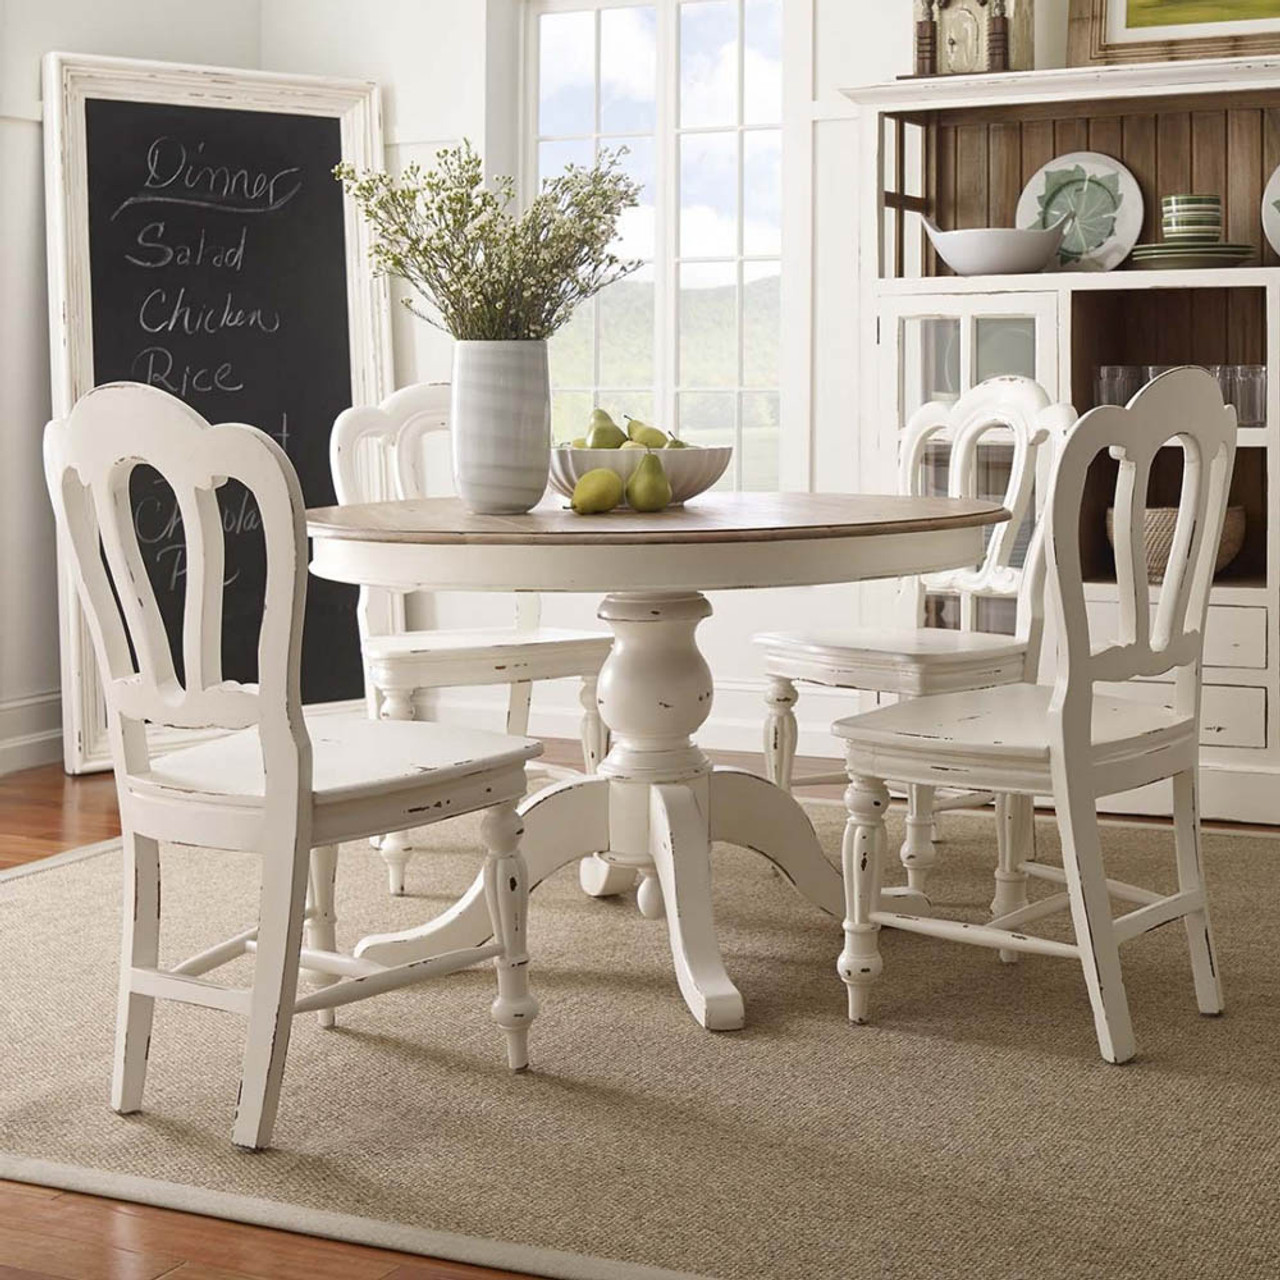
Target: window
x=693, y=90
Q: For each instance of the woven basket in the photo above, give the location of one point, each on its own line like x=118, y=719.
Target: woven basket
x=1157, y=538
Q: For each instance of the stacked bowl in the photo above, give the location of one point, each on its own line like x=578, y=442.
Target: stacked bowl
x=1192, y=219
x=1192, y=227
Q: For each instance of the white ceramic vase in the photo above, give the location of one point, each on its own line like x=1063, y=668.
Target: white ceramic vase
x=501, y=425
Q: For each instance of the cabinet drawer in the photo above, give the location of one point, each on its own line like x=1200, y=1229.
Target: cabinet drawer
x=1235, y=635
x=1230, y=715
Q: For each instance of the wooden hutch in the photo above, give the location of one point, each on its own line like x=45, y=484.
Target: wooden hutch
x=962, y=148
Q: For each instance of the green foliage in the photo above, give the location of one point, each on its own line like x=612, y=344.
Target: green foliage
x=485, y=273
x=1169, y=13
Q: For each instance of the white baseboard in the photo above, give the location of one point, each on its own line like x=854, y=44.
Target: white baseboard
x=30, y=731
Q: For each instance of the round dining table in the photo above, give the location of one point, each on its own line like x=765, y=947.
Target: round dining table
x=656, y=803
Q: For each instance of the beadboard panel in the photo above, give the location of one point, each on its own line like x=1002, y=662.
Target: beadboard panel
x=981, y=162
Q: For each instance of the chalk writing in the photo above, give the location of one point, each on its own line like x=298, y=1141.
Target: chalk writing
x=176, y=175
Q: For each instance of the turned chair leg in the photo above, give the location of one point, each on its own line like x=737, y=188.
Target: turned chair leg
x=1186, y=835
x=321, y=928
x=274, y=992
x=140, y=948
x=395, y=848
x=506, y=885
x=1015, y=844
x=595, y=737
x=780, y=732
x=1091, y=917
x=862, y=857
x=918, y=854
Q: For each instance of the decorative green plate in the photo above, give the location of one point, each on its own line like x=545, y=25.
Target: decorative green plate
x=1183, y=257
x=1101, y=200
x=1271, y=211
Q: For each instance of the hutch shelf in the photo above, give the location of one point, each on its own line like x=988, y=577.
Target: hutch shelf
x=961, y=149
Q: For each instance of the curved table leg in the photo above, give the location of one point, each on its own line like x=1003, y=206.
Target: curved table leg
x=561, y=823
x=752, y=812
x=602, y=879
x=678, y=843
x=756, y=814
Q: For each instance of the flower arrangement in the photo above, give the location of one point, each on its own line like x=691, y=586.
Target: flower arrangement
x=486, y=273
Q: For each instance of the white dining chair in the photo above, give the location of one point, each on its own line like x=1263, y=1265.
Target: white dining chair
x=377, y=453
x=275, y=782
x=1081, y=737
x=911, y=660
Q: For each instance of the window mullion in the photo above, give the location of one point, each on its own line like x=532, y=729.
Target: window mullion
x=666, y=215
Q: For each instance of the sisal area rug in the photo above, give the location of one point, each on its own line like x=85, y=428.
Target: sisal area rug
x=973, y=1131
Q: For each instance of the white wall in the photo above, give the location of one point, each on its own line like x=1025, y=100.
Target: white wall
x=180, y=30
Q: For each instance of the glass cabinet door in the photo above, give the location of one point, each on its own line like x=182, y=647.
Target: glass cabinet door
x=935, y=348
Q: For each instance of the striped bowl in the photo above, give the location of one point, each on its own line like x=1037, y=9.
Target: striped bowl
x=690, y=471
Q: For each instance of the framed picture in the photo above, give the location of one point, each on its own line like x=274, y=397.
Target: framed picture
x=1106, y=31
x=198, y=242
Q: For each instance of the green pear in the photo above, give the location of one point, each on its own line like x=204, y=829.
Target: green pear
x=578, y=442
x=604, y=432
x=596, y=492
x=644, y=434
x=632, y=444
x=648, y=489
x=673, y=443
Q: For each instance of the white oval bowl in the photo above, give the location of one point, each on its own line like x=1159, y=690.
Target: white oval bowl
x=690, y=471
x=992, y=251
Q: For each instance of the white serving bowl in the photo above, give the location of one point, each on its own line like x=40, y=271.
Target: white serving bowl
x=996, y=251
x=690, y=471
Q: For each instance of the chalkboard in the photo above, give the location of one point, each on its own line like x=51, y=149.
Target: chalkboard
x=217, y=263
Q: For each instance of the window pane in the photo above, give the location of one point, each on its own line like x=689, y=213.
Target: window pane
x=628, y=69
x=553, y=156
x=566, y=73
x=930, y=362
x=1004, y=345
x=706, y=418
x=762, y=191
x=761, y=323
x=570, y=414
x=708, y=195
x=760, y=439
x=708, y=325
x=762, y=63
x=624, y=404
x=626, y=331
x=636, y=235
x=570, y=349
x=708, y=63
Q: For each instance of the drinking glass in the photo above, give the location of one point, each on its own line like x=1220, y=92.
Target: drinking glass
x=1250, y=395
x=1116, y=383
x=1225, y=374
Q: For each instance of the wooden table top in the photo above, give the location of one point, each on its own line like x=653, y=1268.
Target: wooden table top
x=710, y=518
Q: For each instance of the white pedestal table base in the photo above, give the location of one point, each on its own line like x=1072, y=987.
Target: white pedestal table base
x=656, y=805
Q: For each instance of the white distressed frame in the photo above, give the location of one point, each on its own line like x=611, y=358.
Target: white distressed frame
x=668, y=259
x=68, y=80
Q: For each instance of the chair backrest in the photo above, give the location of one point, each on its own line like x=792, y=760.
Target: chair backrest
x=376, y=454
x=1182, y=408
x=89, y=458
x=1013, y=412
x=365, y=453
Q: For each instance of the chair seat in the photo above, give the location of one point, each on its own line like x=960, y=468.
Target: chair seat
x=998, y=739
x=913, y=662
x=353, y=758
x=418, y=659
